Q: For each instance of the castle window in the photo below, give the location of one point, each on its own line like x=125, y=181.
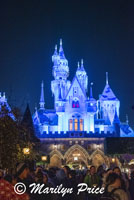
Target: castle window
x=81, y=124
x=76, y=124
x=75, y=104
x=70, y=124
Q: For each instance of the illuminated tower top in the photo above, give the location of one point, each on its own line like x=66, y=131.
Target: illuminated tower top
x=82, y=75
x=42, y=101
x=60, y=67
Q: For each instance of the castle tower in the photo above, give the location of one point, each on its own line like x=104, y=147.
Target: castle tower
x=91, y=110
x=108, y=103
x=82, y=76
x=60, y=84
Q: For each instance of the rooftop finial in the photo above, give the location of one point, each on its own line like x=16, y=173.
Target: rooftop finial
x=60, y=42
x=107, y=78
x=91, y=90
x=56, y=47
x=4, y=94
x=81, y=61
x=42, y=101
x=78, y=65
x=35, y=107
x=127, y=119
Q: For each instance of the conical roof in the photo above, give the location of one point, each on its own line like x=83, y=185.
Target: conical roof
x=108, y=94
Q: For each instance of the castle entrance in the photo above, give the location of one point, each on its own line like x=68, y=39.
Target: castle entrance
x=76, y=157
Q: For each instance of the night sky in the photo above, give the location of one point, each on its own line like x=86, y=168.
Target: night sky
x=100, y=32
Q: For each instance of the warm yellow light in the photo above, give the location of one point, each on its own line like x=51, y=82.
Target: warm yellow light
x=113, y=159
x=26, y=151
x=70, y=124
x=75, y=158
x=43, y=158
x=76, y=124
x=81, y=124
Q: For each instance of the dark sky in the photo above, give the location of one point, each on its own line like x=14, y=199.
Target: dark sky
x=101, y=32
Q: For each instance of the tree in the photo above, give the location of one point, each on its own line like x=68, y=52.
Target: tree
x=13, y=140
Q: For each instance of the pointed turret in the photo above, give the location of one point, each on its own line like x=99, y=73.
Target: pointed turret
x=107, y=93
x=27, y=122
x=55, y=56
x=61, y=52
x=82, y=65
x=91, y=101
x=108, y=103
x=42, y=101
x=60, y=67
x=82, y=75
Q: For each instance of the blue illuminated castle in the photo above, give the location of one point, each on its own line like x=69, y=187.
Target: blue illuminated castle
x=75, y=114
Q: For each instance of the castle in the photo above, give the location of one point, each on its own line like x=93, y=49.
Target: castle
x=75, y=131
x=75, y=114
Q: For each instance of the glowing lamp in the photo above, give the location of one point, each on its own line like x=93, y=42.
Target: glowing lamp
x=113, y=160
x=75, y=158
x=44, y=158
x=26, y=151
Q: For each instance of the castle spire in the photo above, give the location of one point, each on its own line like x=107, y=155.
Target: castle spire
x=55, y=52
x=61, y=52
x=127, y=119
x=42, y=101
x=106, y=78
x=55, y=55
x=91, y=90
x=78, y=65
x=82, y=66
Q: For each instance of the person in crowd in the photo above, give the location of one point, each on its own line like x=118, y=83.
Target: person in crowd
x=92, y=179
x=123, y=183
x=1, y=173
x=101, y=173
x=23, y=176
x=66, y=170
x=22, y=172
x=113, y=188
x=105, y=175
x=52, y=176
x=131, y=185
x=7, y=189
x=42, y=178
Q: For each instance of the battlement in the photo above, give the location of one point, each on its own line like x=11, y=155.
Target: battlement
x=78, y=134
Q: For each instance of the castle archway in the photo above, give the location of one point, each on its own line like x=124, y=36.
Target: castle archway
x=76, y=156
x=98, y=158
x=56, y=158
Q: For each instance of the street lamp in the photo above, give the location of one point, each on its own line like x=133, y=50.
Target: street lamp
x=44, y=158
x=26, y=151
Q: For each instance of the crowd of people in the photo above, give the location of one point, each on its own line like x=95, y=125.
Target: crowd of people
x=118, y=186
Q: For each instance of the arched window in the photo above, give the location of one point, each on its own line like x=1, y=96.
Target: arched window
x=75, y=104
x=81, y=124
x=76, y=124
x=70, y=124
